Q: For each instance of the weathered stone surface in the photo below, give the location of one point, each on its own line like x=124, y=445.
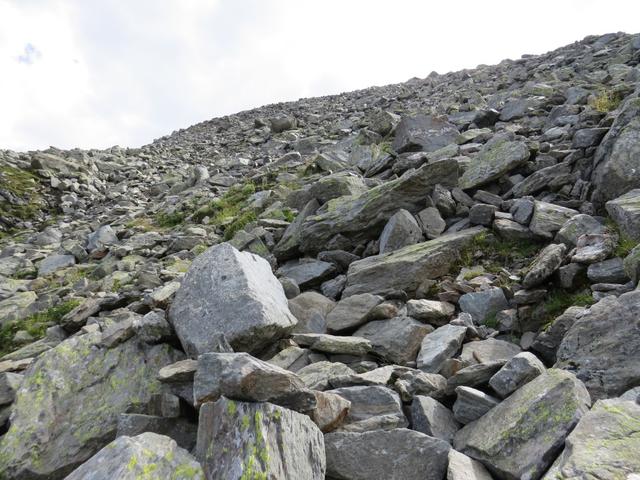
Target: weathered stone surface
x=476, y=375
x=625, y=211
x=411, y=382
x=496, y=158
x=438, y=346
x=484, y=304
x=351, y=312
x=617, y=155
x=430, y=311
x=593, y=248
x=311, y=309
x=431, y=221
x=608, y=271
x=333, y=343
x=372, y=408
x=482, y=214
x=239, y=376
x=547, y=342
x=9, y=384
x=490, y=350
x=76, y=390
x=177, y=428
x=545, y=178
x=398, y=454
x=423, y=133
x=604, y=444
x=16, y=306
x=406, y=268
x=401, y=230
x=330, y=411
x=232, y=293
x=577, y=226
x=141, y=456
x=307, y=272
x=602, y=346
x=363, y=217
x=462, y=467
x=518, y=371
x=430, y=417
x=288, y=246
x=55, y=262
x=396, y=340
x=520, y=437
x=631, y=264
x=238, y=440
x=544, y=265
x=101, y=238
x=548, y=218
x=472, y=404
x=318, y=376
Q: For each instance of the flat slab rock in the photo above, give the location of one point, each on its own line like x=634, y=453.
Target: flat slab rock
x=238, y=440
x=407, y=267
x=397, y=454
x=133, y=458
x=520, y=437
x=230, y=293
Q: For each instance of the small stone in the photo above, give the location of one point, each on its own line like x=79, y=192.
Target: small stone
x=472, y=404
x=518, y=371
x=432, y=418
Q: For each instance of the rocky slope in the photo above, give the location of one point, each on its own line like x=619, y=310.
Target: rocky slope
x=435, y=279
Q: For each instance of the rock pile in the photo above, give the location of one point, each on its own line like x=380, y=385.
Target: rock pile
x=435, y=279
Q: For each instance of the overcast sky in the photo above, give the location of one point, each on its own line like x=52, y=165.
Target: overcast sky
x=96, y=73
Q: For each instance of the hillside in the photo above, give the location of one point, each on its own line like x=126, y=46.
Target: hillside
x=433, y=279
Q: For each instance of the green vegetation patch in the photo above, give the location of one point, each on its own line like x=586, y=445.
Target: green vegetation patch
x=36, y=325
x=559, y=300
x=494, y=253
x=606, y=101
x=23, y=186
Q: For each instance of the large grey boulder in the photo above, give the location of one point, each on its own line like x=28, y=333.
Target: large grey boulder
x=618, y=155
x=372, y=407
x=483, y=304
x=76, y=391
x=363, y=217
x=423, y=133
x=239, y=376
x=520, y=437
x=147, y=455
x=438, y=346
x=396, y=340
x=401, y=230
x=230, y=293
x=496, y=158
x=604, y=444
x=238, y=440
x=398, y=454
x=625, y=211
x=407, y=268
x=602, y=346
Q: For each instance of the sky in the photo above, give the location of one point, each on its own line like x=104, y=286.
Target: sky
x=98, y=73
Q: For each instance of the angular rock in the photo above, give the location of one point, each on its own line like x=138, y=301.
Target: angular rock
x=319, y=375
x=547, y=342
x=438, y=346
x=607, y=271
x=577, y=226
x=476, y=375
x=133, y=458
x=55, y=262
x=238, y=440
x=484, y=304
x=543, y=179
x=625, y=211
x=482, y=214
x=412, y=382
x=520, y=437
x=496, y=158
x=544, y=265
x=432, y=418
x=239, y=376
x=401, y=230
x=602, y=347
x=179, y=429
x=604, y=444
x=490, y=350
x=518, y=371
x=398, y=454
x=311, y=309
x=101, y=238
x=288, y=246
x=548, y=218
x=593, y=248
x=423, y=133
x=363, y=217
x=432, y=223
x=617, y=155
x=76, y=390
x=351, y=312
x=430, y=311
x=372, y=408
x=330, y=411
x=307, y=272
x=407, y=268
x=9, y=384
x=471, y=404
x=333, y=344
x=462, y=467
x=231, y=293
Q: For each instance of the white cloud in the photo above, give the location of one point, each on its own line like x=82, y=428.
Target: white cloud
x=98, y=73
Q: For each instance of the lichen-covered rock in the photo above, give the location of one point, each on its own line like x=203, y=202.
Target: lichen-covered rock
x=398, y=454
x=602, y=346
x=549, y=218
x=520, y=437
x=496, y=158
x=406, y=268
x=604, y=444
x=147, y=455
x=625, y=211
x=238, y=440
x=76, y=392
x=230, y=293
x=363, y=217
